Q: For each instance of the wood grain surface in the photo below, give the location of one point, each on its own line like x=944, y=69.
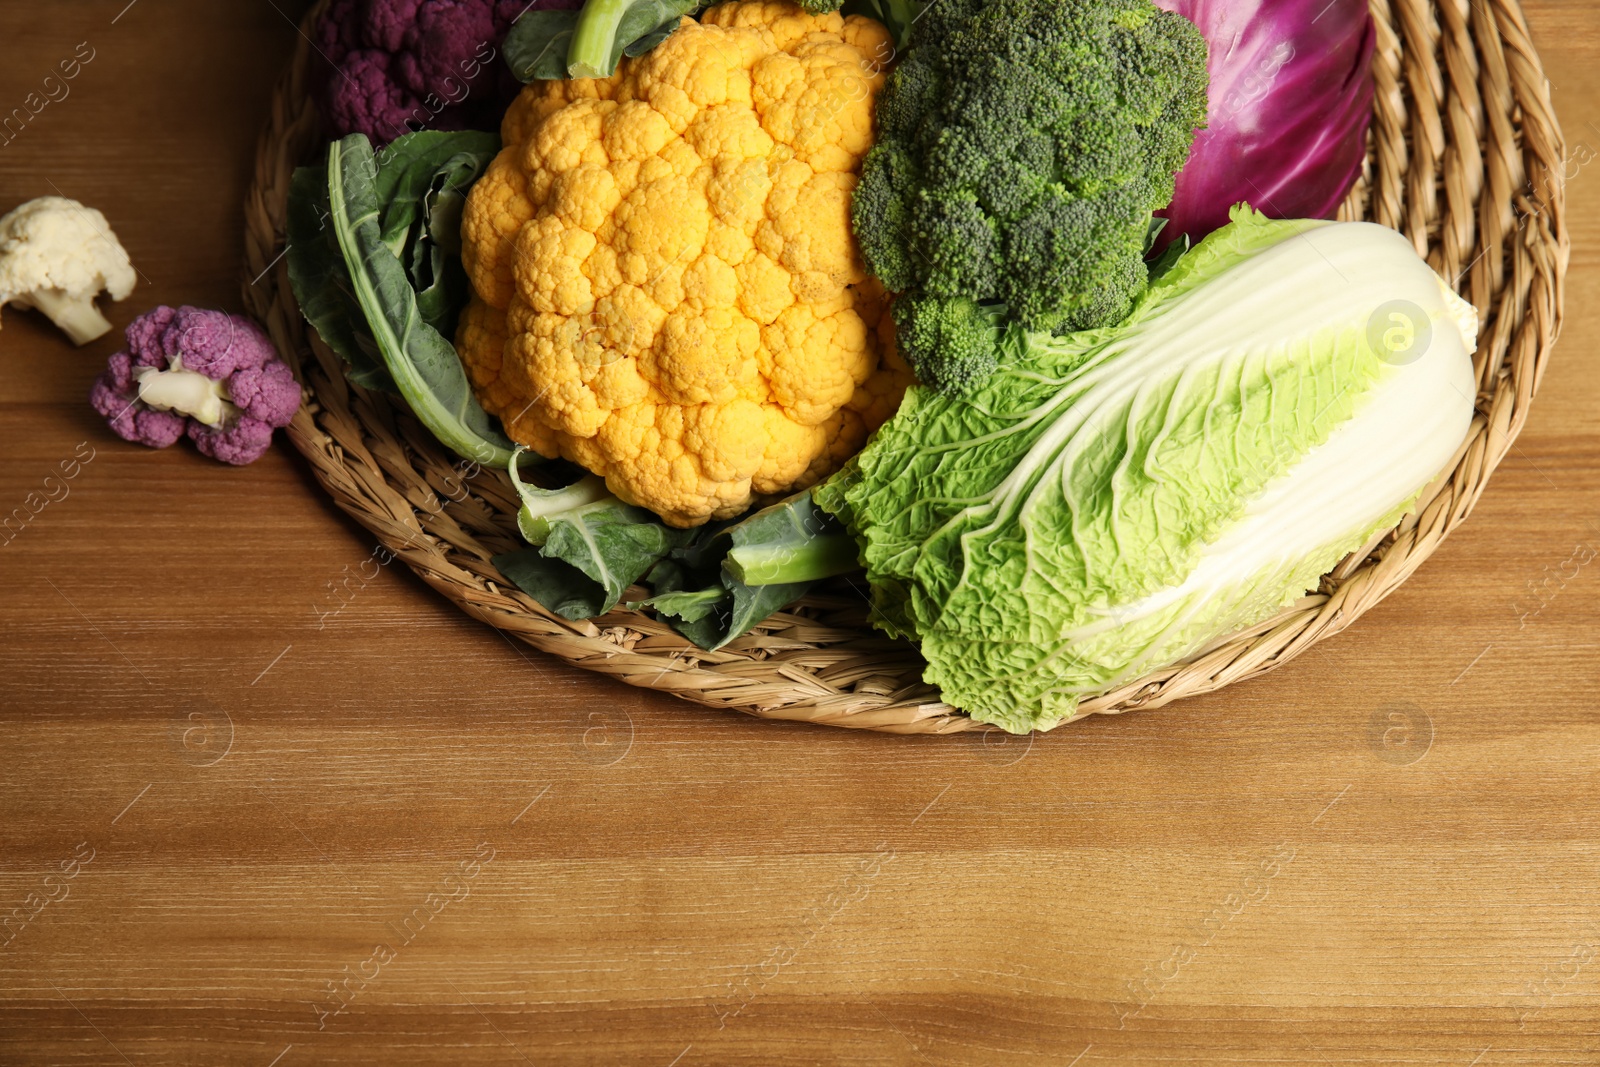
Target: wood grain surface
x=266, y=802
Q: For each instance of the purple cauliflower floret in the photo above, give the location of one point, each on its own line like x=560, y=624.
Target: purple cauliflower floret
x=206, y=373
x=404, y=65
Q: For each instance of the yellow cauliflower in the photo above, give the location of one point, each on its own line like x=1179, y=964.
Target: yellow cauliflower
x=667, y=290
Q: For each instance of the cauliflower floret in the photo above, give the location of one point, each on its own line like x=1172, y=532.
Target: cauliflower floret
x=215, y=376
x=667, y=288
x=57, y=255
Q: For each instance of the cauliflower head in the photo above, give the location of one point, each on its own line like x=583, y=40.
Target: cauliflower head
x=667, y=289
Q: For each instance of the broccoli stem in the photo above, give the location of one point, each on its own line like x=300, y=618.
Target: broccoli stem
x=818, y=557
x=589, y=55
x=77, y=316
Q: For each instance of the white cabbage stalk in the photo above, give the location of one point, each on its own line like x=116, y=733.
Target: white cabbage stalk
x=1368, y=472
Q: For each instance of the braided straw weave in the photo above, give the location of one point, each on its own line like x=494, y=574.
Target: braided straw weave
x=1465, y=159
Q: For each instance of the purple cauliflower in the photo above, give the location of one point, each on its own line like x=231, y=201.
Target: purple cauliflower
x=403, y=65
x=206, y=373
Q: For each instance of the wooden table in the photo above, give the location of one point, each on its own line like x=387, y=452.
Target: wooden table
x=263, y=802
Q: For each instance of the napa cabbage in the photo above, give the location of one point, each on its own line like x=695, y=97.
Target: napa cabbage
x=1113, y=501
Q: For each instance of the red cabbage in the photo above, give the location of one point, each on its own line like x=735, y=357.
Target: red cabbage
x=1291, y=96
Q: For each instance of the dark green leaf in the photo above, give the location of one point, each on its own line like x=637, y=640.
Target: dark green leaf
x=651, y=39
x=409, y=167
x=788, y=545
x=695, y=608
x=442, y=295
x=900, y=16
x=424, y=365
x=687, y=607
x=1168, y=259
x=590, y=531
x=423, y=180
x=321, y=282
x=594, y=547
x=648, y=20
x=699, y=597
x=611, y=543
x=536, y=47
x=446, y=200
x=753, y=604
x=713, y=615
x=421, y=184
x=701, y=559
x=1153, y=232
x=590, y=557
x=558, y=586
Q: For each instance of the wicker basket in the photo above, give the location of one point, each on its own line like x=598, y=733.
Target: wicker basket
x=1465, y=158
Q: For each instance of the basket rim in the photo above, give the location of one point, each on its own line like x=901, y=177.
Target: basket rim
x=1464, y=158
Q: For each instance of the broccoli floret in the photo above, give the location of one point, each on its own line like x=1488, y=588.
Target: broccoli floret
x=960, y=241
x=881, y=214
x=821, y=7
x=952, y=345
x=1023, y=147
x=912, y=93
x=1112, y=302
x=1077, y=261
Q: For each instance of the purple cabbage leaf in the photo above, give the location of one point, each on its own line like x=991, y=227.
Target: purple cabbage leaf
x=1291, y=98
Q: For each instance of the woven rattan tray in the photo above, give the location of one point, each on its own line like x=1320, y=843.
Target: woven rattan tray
x=1465, y=159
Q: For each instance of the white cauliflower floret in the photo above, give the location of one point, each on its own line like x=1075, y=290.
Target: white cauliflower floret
x=57, y=255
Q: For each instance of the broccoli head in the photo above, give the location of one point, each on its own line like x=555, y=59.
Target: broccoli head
x=1023, y=147
x=821, y=7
